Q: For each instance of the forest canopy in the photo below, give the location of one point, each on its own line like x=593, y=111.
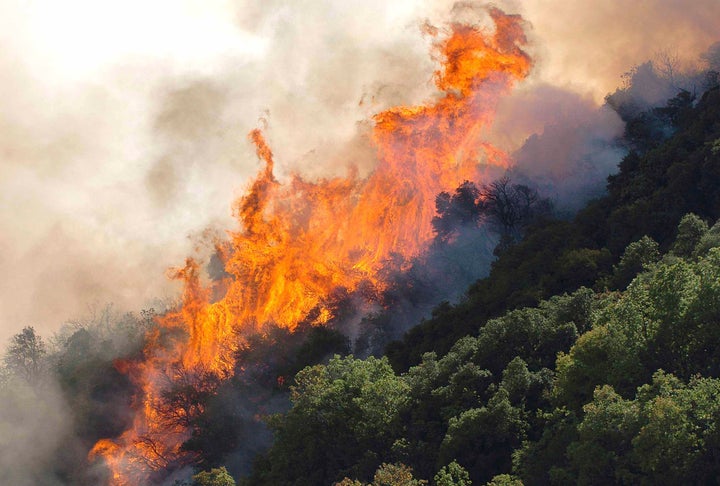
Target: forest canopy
x=589, y=354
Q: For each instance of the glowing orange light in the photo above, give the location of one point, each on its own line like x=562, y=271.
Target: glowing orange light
x=301, y=241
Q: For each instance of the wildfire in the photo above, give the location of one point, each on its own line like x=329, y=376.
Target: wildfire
x=300, y=242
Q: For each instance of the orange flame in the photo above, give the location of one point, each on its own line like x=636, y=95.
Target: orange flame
x=302, y=241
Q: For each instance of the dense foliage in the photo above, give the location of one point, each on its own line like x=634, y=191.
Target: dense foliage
x=648, y=197
x=586, y=388
x=589, y=355
x=615, y=379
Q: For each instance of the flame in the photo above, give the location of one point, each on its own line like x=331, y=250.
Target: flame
x=303, y=241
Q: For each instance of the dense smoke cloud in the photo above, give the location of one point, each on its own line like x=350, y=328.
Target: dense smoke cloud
x=123, y=137
x=112, y=156
x=588, y=45
x=115, y=147
x=573, y=148
x=34, y=421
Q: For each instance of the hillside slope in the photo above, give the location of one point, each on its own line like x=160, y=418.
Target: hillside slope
x=648, y=196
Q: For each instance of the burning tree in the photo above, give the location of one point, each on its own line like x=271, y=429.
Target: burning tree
x=303, y=243
x=507, y=208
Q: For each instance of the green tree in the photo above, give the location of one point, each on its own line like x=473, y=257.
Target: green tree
x=395, y=475
x=690, y=231
x=343, y=420
x=709, y=240
x=505, y=480
x=213, y=477
x=468, y=377
x=600, y=456
x=516, y=380
x=679, y=439
x=668, y=434
x=482, y=439
x=349, y=482
x=600, y=356
x=544, y=460
x=452, y=475
x=440, y=389
x=638, y=256
x=667, y=318
x=535, y=334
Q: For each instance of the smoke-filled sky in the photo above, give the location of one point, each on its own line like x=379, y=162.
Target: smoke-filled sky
x=123, y=124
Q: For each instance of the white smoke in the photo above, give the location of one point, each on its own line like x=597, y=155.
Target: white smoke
x=123, y=125
x=34, y=422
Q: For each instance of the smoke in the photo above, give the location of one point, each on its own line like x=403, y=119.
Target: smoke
x=712, y=57
x=570, y=156
x=442, y=274
x=115, y=147
x=564, y=139
x=60, y=396
x=34, y=422
x=123, y=137
x=587, y=47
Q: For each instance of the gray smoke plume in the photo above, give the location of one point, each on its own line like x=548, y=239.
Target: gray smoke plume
x=123, y=137
x=115, y=147
x=570, y=158
x=34, y=423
